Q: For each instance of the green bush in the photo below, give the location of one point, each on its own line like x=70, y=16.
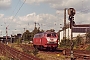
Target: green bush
x=65, y=43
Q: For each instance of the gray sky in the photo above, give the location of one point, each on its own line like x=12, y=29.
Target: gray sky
x=48, y=13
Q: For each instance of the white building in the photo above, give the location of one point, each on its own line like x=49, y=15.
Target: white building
x=77, y=30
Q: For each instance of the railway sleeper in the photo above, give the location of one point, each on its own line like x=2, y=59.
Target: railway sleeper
x=86, y=57
x=83, y=56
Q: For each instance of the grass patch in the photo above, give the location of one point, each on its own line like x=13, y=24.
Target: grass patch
x=4, y=58
x=45, y=56
x=88, y=48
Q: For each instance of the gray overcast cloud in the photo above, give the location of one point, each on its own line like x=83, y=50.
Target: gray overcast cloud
x=5, y=4
x=79, y=5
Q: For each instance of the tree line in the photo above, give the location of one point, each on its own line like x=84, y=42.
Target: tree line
x=28, y=36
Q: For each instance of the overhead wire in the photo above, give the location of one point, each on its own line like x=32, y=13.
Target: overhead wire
x=19, y=9
x=15, y=7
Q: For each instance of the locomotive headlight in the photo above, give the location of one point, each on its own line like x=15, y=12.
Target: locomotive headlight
x=51, y=40
x=48, y=39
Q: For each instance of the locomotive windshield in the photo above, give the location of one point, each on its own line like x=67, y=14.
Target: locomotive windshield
x=48, y=35
x=51, y=35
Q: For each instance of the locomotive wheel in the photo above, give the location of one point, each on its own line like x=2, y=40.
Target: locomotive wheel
x=48, y=49
x=53, y=48
x=41, y=47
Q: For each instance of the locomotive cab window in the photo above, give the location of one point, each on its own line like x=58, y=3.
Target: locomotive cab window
x=53, y=34
x=48, y=35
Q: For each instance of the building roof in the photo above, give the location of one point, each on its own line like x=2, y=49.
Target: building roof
x=82, y=25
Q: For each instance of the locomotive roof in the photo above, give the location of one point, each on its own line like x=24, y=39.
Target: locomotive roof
x=46, y=32
x=49, y=32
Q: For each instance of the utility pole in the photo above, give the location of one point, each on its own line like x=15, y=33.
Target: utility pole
x=38, y=25
x=65, y=23
x=35, y=24
x=6, y=35
x=24, y=29
x=68, y=31
x=64, y=31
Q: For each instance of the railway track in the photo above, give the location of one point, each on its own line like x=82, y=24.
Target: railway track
x=12, y=52
x=27, y=47
x=78, y=54
x=82, y=54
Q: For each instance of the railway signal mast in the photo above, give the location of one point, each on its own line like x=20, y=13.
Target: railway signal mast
x=7, y=34
x=71, y=13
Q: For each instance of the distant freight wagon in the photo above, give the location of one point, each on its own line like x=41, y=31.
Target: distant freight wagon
x=48, y=40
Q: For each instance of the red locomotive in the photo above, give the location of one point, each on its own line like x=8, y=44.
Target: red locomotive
x=48, y=40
